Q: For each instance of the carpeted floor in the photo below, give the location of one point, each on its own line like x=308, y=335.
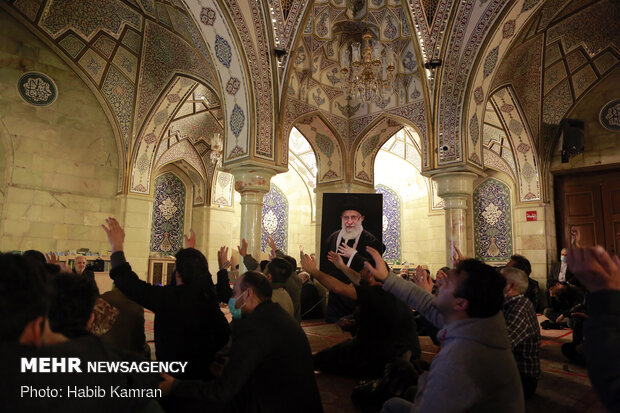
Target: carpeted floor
x=563, y=386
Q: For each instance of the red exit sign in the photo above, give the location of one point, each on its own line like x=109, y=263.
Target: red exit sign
x=531, y=216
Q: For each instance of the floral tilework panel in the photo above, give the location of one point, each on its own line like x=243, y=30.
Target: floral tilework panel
x=391, y=222
x=492, y=222
x=168, y=215
x=275, y=219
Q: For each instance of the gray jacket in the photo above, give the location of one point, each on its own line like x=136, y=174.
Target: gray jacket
x=474, y=370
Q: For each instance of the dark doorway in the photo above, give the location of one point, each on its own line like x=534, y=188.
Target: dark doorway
x=589, y=201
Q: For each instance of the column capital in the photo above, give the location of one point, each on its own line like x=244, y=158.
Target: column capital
x=455, y=187
x=252, y=179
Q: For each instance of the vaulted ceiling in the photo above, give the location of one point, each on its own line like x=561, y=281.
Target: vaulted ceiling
x=264, y=67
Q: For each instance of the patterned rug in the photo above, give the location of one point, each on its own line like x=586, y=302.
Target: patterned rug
x=563, y=386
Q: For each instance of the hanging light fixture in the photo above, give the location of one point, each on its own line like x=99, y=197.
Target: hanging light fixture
x=369, y=74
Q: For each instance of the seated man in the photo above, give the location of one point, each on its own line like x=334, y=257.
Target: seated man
x=189, y=325
x=270, y=365
x=311, y=300
x=559, y=272
x=564, y=300
x=386, y=329
x=79, y=268
x=474, y=369
x=533, y=290
x=523, y=329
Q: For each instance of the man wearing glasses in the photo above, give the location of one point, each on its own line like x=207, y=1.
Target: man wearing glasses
x=350, y=243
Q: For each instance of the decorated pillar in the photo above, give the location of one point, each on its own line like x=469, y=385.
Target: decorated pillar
x=456, y=189
x=252, y=183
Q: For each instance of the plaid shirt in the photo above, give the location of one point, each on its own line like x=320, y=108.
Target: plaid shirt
x=524, y=334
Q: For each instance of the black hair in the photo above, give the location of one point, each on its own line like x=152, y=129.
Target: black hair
x=279, y=269
x=73, y=300
x=522, y=263
x=24, y=294
x=193, y=267
x=259, y=284
x=35, y=255
x=292, y=262
x=482, y=286
x=263, y=264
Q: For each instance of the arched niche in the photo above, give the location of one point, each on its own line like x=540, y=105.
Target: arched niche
x=493, y=224
x=170, y=212
x=274, y=219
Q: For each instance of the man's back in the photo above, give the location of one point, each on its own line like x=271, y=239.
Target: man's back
x=189, y=326
x=127, y=332
x=270, y=367
x=282, y=297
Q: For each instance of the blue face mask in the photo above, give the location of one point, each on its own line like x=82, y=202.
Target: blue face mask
x=563, y=258
x=235, y=312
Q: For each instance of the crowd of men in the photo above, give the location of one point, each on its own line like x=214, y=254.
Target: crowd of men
x=484, y=321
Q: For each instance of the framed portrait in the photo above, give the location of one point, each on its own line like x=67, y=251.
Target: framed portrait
x=365, y=224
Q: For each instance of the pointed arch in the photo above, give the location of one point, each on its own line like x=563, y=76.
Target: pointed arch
x=327, y=146
x=510, y=114
x=370, y=141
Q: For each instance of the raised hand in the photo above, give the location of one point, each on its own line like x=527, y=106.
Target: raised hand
x=456, y=255
x=191, y=241
x=271, y=243
x=115, y=233
x=440, y=275
x=336, y=259
x=423, y=280
x=594, y=268
x=308, y=264
x=345, y=250
x=379, y=270
x=575, y=237
x=222, y=258
x=166, y=384
x=52, y=258
x=243, y=249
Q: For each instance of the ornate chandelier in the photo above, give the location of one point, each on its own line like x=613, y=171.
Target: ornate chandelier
x=369, y=75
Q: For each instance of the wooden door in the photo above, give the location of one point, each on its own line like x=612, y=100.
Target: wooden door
x=610, y=190
x=590, y=202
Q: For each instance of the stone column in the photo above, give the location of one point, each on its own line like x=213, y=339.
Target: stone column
x=135, y=216
x=456, y=189
x=252, y=183
x=338, y=187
